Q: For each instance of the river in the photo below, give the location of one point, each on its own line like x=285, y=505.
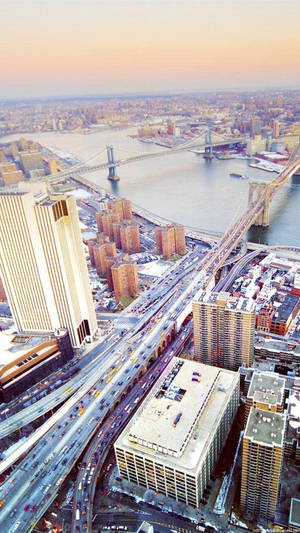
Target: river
x=183, y=187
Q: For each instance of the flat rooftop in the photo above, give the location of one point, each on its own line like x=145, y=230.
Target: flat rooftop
x=266, y=388
x=181, y=415
x=224, y=299
x=294, y=518
x=265, y=428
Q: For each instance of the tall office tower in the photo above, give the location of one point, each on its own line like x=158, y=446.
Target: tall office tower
x=266, y=391
x=173, y=441
x=276, y=129
x=261, y=463
x=179, y=234
x=125, y=278
x=223, y=329
x=43, y=266
x=130, y=237
x=31, y=160
x=101, y=252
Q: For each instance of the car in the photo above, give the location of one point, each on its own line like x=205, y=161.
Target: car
x=33, y=508
x=26, y=507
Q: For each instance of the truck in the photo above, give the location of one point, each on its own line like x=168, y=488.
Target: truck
x=77, y=514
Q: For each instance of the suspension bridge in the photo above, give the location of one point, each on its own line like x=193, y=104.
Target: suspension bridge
x=206, y=142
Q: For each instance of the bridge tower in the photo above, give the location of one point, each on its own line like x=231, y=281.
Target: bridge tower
x=257, y=191
x=208, y=151
x=112, y=176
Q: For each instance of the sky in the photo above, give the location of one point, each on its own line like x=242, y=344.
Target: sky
x=70, y=47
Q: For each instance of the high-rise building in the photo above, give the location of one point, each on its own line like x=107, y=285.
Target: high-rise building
x=276, y=129
x=31, y=160
x=130, y=236
x=91, y=245
x=266, y=391
x=43, y=266
x=101, y=253
x=179, y=235
x=125, y=278
x=261, y=463
x=174, y=439
x=224, y=329
x=255, y=126
x=122, y=207
x=9, y=173
x=170, y=240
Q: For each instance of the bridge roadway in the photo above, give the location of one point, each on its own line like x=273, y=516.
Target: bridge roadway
x=100, y=445
x=59, y=448
x=84, y=169
x=226, y=281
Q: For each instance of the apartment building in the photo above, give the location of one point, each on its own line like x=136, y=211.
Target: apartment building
x=224, y=328
x=262, y=455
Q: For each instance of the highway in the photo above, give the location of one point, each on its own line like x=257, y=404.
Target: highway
x=100, y=445
x=29, y=490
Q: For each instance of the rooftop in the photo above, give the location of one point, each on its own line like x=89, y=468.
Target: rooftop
x=180, y=417
x=266, y=388
x=294, y=518
x=265, y=428
x=224, y=299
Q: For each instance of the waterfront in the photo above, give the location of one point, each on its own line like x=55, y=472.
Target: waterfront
x=183, y=187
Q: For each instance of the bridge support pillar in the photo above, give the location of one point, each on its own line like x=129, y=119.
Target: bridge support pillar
x=112, y=175
x=257, y=191
x=208, y=150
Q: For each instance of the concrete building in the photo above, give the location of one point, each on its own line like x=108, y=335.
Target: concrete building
x=174, y=440
x=130, y=237
x=43, y=266
x=31, y=160
x=125, y=278
x=266, y=391
x=26, y=360
x=170, y=240
x=224, y=329
x=294, y=516
x=261, y=463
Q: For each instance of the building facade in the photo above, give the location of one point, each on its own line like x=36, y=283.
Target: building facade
x=43, y=266
x=262, y=456
x=224, y=329
x=174, y=440
x=125, y=278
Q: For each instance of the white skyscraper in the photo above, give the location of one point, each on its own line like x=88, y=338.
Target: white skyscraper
x=43, y=266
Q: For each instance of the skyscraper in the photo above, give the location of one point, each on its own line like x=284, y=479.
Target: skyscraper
x=170, y=240
x=43, y=266
x=261, y=463
x=223, y=329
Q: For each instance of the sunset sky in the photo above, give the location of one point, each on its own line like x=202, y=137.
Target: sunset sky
x=57, y=47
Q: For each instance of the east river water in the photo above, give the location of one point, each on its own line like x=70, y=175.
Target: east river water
x=183, y=187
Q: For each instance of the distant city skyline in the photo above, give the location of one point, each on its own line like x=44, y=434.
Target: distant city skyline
x=69, y=47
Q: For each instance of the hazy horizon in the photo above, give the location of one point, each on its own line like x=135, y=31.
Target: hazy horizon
x=88, y=48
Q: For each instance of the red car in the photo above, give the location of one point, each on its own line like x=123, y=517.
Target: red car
x=26, y=507
x=33, y=508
